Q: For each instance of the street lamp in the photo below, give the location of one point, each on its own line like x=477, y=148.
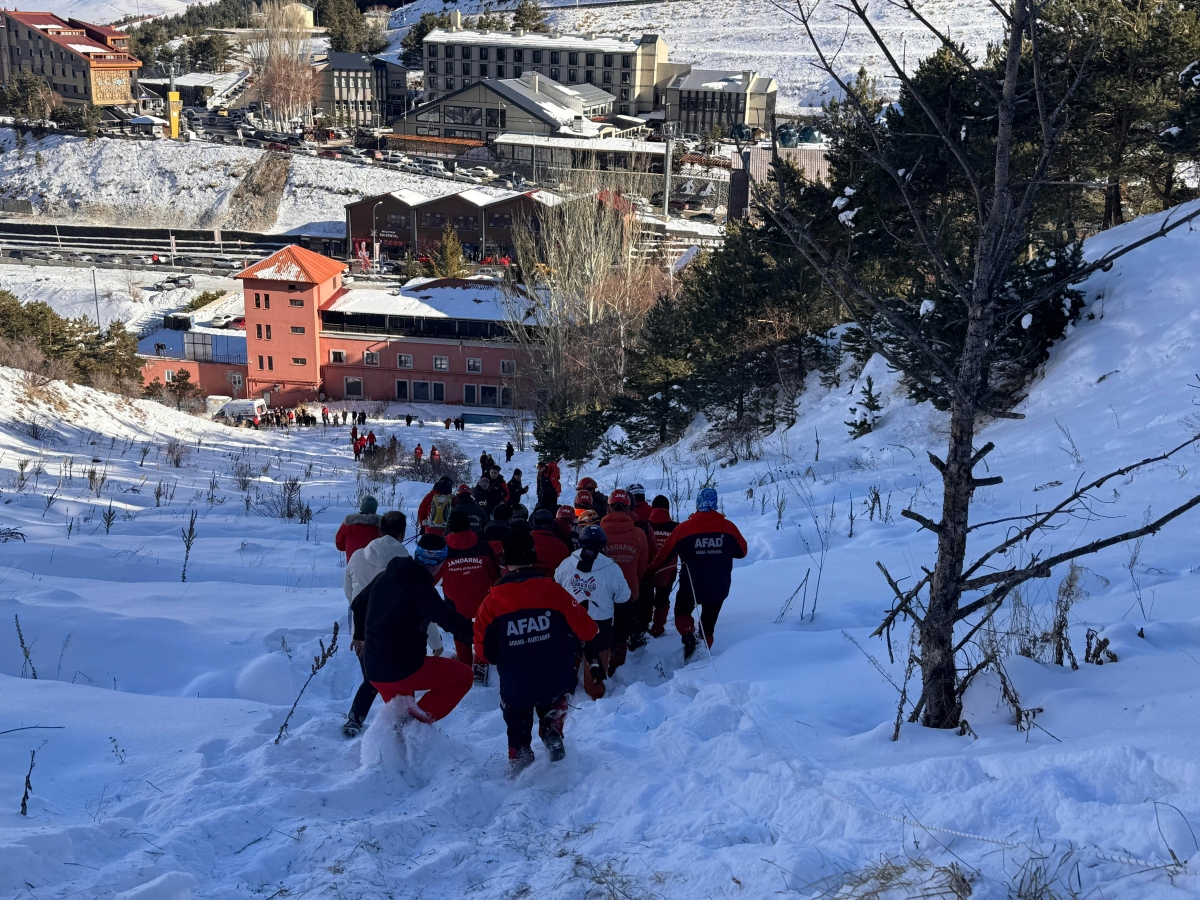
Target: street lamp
x=374, y=239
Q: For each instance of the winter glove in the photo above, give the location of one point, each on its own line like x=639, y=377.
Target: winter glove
x=685, y=625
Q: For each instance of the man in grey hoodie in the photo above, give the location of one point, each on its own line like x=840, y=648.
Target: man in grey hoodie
x=361, y=570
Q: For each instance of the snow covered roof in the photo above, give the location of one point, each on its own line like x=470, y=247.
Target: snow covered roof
x=478, y=298
x=721, y=81
x=148, y=120
x=596, y=145
x=294, y=264
x=588, y=42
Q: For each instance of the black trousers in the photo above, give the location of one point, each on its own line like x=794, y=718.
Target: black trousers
x=552, y=715
x=601, y=642
x=623, y=619
x=364, y=697
x=685, y=605
x=652, y=596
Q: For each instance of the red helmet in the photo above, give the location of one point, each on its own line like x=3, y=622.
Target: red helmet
x=566, y=514
x=620, y=498
x=464, y=489
x=587, y=483
x=583, y=500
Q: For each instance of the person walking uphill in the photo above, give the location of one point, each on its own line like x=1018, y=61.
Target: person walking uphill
x=628, y=547
x=530, y=629
x=361, y=570
x=469, y=573
x=706, y=544
x=358, y=529
x=391, y=621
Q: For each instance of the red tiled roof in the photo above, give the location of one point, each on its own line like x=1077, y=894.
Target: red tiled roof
x=295, y=264
x=76, y=39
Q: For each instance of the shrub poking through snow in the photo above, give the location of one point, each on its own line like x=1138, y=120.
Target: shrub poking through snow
x=865, y=416
x=189, y=538
x=318, y=664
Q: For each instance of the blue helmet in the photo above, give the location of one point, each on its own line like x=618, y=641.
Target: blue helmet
x=431, y=550
x=593, y=538
x=706, y=500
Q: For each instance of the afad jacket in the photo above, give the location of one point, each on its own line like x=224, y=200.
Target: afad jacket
x=357, y=530
x=597, y=590
x=628, y=548
x=469, y=571
x=661, y=526
x=529, y=628
x=706, y=544
x=393, y=614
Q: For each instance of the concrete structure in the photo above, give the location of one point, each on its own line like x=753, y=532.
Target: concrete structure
x=349, y=93
x=624, y=66
x=530, y=154
x=404, y=222
x=309, y=337
x=303, y=12
x=702, y=100
x=531, y=104
x=82, y=63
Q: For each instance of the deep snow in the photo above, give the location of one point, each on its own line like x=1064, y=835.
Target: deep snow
x=764, y=768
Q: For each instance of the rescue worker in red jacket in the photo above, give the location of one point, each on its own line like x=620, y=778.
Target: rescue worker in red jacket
x=434, y=510
x=468, y=574
x=530, y=629
x=640, y=509
x=599, y=501
x=548, y=542
x=358, y=529
x=706, y=544
x=654, y=601
x=628, y=548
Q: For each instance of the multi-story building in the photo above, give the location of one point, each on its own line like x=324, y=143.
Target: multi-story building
x=349, y=93
x=703, y=100
x=624, y=66
x=310, y=337
x=82, y=63
x=532, y=104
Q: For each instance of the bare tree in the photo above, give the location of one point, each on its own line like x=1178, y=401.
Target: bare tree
x=282, y=57
x=1001, y=196
x=587, y=289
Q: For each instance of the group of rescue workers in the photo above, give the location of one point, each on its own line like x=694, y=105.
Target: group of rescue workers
x=536, y=595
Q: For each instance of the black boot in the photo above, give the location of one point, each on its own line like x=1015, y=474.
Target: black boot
x=519, y=759
x=482, y=672
x=637, y=640
x=353, y=726
x=689, y=646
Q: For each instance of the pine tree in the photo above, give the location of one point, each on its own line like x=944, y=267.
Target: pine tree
x=530, y=16
x=413, y=42
x=864, y=422
x=448, y=262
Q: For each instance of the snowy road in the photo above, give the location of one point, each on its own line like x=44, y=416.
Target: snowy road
x=765, y=768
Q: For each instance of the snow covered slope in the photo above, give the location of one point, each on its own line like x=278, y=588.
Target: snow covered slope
x=167, y=184
x=764, y=768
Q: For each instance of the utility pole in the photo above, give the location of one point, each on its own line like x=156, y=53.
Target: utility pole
x=96, y=294
x=669, y=134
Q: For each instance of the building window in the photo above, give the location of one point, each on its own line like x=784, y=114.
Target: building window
x=589, y=76
x=337, y=357
x=488, y=395
x=441, y=364
x=299, y=361
x=401, y=390
x=608, y=60
x=483, y=53
x=266, y=301
x=291, y=289
x=626, y=62
x=589, y=59
x=607, y=79
x=537, y=57
x=257, y=301
x=572, y=76
x=295, y=302
x=420, y=391
x=469, y=394
x=475, y=365
x=518, y=55
x=431, y=51
x=404, y=361
x=370, y=358
x=431, y=219
x=624, y=109
x=268, y=332
x=258, y=332
x=624, y=93
x=466, y=223
x=499, y=220
x=554, y=74
x=516, y=71
x=260, y=363
x=500, y=54
x=169, y=376
x=270, y=364
x=297, y=329
x=499, y=71
x=353, y=387
x=466, y=52
x=450, y=52
x=439, y=392
x=572, y=59
x=496, y=118
x=506, y=396
x=625, y=76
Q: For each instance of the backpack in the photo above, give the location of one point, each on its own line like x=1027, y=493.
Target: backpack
x=439, y=511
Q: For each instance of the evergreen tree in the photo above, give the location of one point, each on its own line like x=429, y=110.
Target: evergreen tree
x=348, y=31
x=490, y=20
x=530, y=16
x=448, y=262
x=658, y=405
x=865, y=416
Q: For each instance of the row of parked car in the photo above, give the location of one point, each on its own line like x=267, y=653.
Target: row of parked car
x=117, y=259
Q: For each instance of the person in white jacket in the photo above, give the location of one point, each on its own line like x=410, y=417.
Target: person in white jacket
x=597, y=584
x=361, y=570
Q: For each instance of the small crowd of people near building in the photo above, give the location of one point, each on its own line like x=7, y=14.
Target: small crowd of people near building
x=542, y=596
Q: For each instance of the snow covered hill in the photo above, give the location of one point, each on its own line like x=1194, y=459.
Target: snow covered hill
x=167, y=184
x=764, y=768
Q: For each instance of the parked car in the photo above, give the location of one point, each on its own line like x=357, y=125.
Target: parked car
x=480, y=172
x=241, y=410
x=163, y=286
x=80, y=257
x=220, y=320
x=225, y=262
x=109, y=258
x=47, y=254
x=278, y=147
x=238, y=322
x=330, y=154
x=305, y=151
x=16, y=254
x=183, y=281
x=141, y=261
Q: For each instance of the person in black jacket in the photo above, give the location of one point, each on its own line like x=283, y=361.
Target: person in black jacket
x=465, y=501
x=391, y=624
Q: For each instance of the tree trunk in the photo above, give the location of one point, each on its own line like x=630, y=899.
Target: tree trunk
x=939, y=674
